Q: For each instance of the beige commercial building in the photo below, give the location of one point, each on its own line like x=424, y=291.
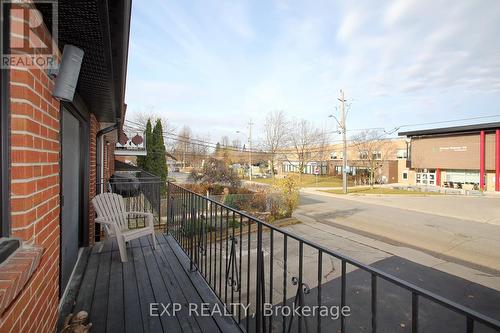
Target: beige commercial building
x=385, y=156
x=466, y=157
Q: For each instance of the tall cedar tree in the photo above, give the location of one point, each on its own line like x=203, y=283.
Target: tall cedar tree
x=143, y=161
x=158, y=160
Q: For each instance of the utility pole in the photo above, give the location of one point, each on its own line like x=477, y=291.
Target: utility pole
x=249, y=137
x=250, y=146
x=344, y=140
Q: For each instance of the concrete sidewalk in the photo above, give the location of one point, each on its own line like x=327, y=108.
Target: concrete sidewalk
x=484, y=209
x=365, y=249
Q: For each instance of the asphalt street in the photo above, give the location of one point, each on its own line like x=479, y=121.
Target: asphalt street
x=466, y=242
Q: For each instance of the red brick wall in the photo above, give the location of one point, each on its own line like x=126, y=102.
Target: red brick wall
x=109, y=157
x=108, y=170
x=35, y=152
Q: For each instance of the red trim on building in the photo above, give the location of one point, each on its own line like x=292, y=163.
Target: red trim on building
x=438, y=177
x=497, y=160
x=481, y=159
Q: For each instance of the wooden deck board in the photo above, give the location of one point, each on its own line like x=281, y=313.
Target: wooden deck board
x=185, y=287
x=118, y=295
x=99, y=309
x=159, y=290
x=225, y=324
x=86, y=290
x=175, y=287
x=116, y=316
x=146, y=297
x=132, y=312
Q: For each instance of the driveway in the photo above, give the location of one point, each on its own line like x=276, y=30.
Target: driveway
x=467, y=242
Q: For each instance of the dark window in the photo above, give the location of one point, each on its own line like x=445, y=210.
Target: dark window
x=405, y=175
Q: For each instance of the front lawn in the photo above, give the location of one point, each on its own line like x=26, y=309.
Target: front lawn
x=309, y=181
x=380, y=190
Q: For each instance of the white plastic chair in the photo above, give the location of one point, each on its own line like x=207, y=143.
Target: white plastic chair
x=111, y=213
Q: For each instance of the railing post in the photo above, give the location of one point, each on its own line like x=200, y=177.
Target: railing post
x=342, y=296
x=259, y=296
x=374, y=303
x=158, y=195
x=169, y=209
x=191, y=232
x=414, y=312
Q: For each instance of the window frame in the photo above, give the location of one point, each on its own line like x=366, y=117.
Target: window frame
x=4, y=125
x=402, y=156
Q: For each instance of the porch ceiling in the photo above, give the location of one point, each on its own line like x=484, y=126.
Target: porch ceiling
x=101, y=28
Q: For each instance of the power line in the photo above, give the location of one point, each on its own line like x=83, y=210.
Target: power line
x=395, y=129
x=207, y=144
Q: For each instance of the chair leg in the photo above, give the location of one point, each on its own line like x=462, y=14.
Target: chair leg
x=123, y=249
x=154, y=239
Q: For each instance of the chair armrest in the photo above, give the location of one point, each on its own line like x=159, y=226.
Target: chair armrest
x=149, y=217
x=110, y=224
x=104, y=221
x=140, y=213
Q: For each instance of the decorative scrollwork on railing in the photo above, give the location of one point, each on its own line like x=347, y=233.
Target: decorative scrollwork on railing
x=305, y=287
x=201, y=235
x=302, y=289
x=232, y=268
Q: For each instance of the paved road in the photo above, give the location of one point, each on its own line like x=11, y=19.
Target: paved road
x=485, y=209
x=470, y=243
x=180, y=177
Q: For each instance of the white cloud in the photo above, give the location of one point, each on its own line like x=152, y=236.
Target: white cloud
x=352, y=22
x=397, y=10
x=213, y=64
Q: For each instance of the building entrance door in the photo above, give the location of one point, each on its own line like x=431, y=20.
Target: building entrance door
x=71, y=194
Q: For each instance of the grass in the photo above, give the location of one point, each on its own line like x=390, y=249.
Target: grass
x=380, y=190
x=309, y=181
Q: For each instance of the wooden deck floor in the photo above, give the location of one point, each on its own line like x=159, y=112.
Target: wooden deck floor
x=118, y=295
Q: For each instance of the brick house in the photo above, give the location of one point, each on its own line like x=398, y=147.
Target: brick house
x=53, y=152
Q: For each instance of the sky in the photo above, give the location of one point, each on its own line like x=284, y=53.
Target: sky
x=213, y=65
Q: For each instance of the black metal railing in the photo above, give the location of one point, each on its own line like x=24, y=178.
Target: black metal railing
x=141, y=191
x=251, y=263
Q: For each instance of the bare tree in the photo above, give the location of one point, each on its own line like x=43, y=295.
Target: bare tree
x=183, y=145
x=306, y=142
x=236, y=143
x=141, y=119
x=224, y=141
x=199, y=150
x=374, y=149
x=322, y=153
x=275, y=131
